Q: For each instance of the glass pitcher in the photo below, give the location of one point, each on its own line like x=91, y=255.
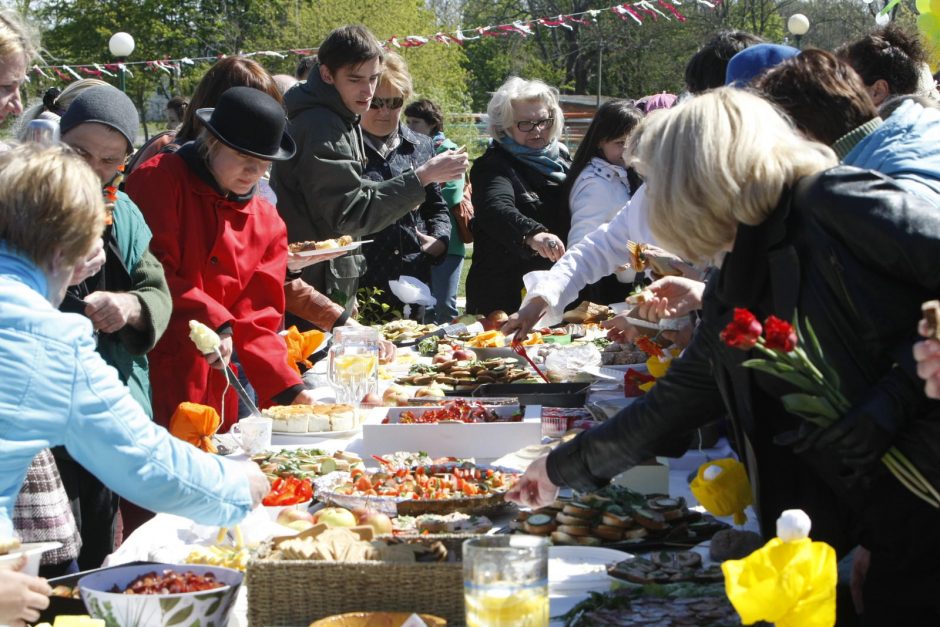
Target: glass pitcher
x=353, y=365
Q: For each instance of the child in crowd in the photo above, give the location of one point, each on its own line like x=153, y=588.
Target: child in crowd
x=601, y=184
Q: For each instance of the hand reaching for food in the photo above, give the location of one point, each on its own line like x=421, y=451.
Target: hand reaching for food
x=258, y=484
x=668, y=297
x=534, y=488
x=619, y=329
x=521, y=323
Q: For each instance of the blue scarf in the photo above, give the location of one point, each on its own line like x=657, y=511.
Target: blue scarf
x=547, y=160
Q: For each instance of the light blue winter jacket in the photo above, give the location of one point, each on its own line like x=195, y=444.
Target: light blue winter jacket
x=906, y=148
x=56, y=389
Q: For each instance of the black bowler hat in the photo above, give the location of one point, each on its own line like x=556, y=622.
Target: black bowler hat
x=250, y=121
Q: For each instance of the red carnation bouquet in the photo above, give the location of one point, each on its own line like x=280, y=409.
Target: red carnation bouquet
x=819, y=399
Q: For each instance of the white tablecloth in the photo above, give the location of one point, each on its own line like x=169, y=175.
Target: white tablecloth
x=166, y=537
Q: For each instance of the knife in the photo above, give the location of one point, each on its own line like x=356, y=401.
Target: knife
x=240, y=390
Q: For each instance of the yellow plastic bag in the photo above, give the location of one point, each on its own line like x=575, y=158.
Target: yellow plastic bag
x=722, y=487
x=301, y=345
x=788, y=583
x=196, y=424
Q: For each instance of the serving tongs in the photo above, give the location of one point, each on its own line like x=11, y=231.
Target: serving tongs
x=519, y=349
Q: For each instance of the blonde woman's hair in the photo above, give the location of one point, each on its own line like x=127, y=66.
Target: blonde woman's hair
x=395, y=74
x=518, y=89
x=17, y=37
x=63, y=101
x=50, y=201
x=717, y=160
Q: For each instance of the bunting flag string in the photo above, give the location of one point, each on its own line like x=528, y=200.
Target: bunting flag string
x=635, y=11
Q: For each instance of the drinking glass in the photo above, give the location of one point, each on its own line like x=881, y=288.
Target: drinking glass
x=354, y=364
x=505, y=581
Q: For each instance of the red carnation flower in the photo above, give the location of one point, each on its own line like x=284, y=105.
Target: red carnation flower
x=743, y=331
x=779, y=334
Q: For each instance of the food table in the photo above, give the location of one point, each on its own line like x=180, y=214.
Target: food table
x=165, y=537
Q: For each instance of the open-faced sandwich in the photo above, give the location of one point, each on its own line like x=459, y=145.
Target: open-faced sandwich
x=638, y=298
x=339, y=242
x=643, y=256
x=587, y=312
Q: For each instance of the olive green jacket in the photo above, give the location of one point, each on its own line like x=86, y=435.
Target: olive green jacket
x=321, y=192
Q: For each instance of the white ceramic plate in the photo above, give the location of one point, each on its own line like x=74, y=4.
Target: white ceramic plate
x=318, y=434
x=330, y=251
x=581, y=568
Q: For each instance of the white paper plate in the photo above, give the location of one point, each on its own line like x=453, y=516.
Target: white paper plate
x=574, y=569
x=32, y=551
x=330, y=251
x=318, y=434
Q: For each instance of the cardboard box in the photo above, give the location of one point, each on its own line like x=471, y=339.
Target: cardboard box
x=650, y=477
x=484, y=440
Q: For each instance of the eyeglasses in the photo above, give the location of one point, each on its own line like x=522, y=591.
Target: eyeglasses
x=390, y=103
x=527, y=127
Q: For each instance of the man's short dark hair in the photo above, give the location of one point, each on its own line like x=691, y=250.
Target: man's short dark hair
x=824, y=95
x=890, y=54
x=304, y=66
x=349, y=45
x=428, y=111
x=706, y=69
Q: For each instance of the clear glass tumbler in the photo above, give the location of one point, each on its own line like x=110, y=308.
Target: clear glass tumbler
x=505, y=581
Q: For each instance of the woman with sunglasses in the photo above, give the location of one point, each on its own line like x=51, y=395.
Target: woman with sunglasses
x=521, y=217
x=418, y=239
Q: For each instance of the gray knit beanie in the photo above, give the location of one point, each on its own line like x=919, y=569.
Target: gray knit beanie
x=106, y=105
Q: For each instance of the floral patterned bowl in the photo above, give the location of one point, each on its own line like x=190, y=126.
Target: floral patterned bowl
x=209, y=607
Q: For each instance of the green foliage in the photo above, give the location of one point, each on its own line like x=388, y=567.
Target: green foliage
x=372, y=311
x=77, y=31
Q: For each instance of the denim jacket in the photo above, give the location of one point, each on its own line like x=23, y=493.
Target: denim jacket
x=55, y=389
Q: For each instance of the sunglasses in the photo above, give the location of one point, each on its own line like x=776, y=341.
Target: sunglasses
x=527, y=127
x=390, y=103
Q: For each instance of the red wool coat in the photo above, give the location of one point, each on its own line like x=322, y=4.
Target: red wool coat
x=225, y=263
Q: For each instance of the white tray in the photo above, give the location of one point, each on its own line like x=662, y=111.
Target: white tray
x=318, y=434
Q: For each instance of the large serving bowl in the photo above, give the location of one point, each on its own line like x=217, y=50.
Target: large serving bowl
x=130, y=610
x=375, y=619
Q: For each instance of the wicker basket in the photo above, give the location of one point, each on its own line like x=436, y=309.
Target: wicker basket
x=297, y=592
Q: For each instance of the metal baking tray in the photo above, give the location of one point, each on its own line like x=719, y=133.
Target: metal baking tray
x=544, y=394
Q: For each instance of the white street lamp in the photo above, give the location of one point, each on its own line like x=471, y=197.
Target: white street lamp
x=121, y=46
x=798, y=25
